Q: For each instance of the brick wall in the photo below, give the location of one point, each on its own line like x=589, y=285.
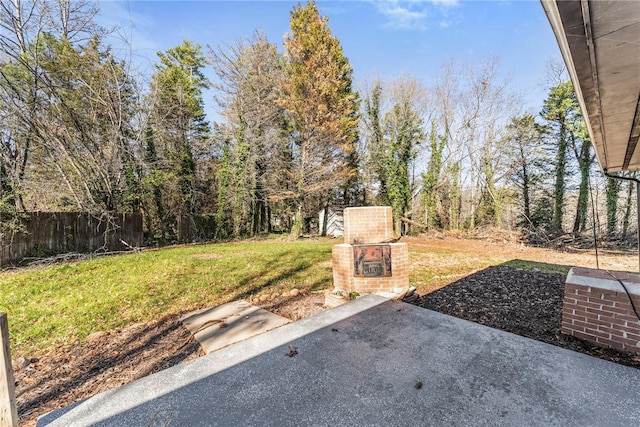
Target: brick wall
x=343, y=271
x=371, y=224
x=597, y=309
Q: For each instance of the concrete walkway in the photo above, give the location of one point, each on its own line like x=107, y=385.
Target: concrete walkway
x=374, y=362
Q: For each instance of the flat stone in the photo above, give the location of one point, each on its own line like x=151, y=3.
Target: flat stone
x=332, y=300
x=218, y=327
x=19, y=364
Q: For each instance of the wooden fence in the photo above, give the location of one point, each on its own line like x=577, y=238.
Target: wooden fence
x=49, y=233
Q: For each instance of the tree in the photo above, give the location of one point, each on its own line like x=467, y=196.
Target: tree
x=470, y=104
x=581, y=146
x=403, y=134
x=431, y=178
x=527, y=165
x=25, y=85
x=249, y=73
x=628, y=205
x=178, y=128
x=81, y=131
x=321, y=111
x=372, y=150
x=612, y=192
x=560, y=109
x=486, y=104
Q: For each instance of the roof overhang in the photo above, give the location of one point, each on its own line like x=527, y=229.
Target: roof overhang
x=600, y=45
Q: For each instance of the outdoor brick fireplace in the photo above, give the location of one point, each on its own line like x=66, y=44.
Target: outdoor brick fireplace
x=368, y=261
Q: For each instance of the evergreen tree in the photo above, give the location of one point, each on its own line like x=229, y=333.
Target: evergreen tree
x=322, y=113
x=527, y=167
x=560, y=110
x=179, y=130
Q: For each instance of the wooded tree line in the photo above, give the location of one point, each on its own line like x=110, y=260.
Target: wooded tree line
x=80, y=131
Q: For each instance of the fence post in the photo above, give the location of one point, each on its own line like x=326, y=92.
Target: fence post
x=8, y=410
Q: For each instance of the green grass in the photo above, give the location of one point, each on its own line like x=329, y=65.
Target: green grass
x=539, y=266
x=52, y=306
x=61, y=304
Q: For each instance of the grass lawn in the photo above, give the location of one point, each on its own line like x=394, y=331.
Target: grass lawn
x=56, y=305
x=61, y=304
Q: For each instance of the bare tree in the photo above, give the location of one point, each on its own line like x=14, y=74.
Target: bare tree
x=28, y=88
x=249, y=73
x=471, y=107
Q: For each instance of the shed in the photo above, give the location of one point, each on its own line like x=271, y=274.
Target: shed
x=331, y=221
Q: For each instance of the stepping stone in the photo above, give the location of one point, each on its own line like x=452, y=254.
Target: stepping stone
x=226, y=324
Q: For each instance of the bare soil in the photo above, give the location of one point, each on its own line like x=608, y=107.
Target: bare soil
x=526, y=303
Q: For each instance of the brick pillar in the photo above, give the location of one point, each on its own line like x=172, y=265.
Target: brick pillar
x=597, y=309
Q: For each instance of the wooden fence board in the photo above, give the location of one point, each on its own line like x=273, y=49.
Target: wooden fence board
x=60, y=232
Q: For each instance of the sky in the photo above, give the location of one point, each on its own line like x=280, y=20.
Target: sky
x=383, y=39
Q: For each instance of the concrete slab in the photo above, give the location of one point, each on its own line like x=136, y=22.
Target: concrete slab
x=374, y=362
x=226, y=324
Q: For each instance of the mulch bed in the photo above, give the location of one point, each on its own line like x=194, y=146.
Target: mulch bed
x=526, y=303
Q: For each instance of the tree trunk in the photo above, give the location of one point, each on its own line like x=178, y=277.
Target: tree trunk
x=584, y=161
x=613, y=191
x=298, y=222
x=627, y=208
x=325, y=221
x=525, y=188
x=560, y=176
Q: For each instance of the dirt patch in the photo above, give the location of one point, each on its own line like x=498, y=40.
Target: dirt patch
x=525, y=303
x=294, y=307
x=104, y=361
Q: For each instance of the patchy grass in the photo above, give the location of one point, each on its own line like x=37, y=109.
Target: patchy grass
x=435, y=268
x=542, y=267
x=60, y=304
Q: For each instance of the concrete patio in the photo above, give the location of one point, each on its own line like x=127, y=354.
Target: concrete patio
x=374, y=361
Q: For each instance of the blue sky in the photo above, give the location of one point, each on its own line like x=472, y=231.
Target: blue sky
x=380, y=38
